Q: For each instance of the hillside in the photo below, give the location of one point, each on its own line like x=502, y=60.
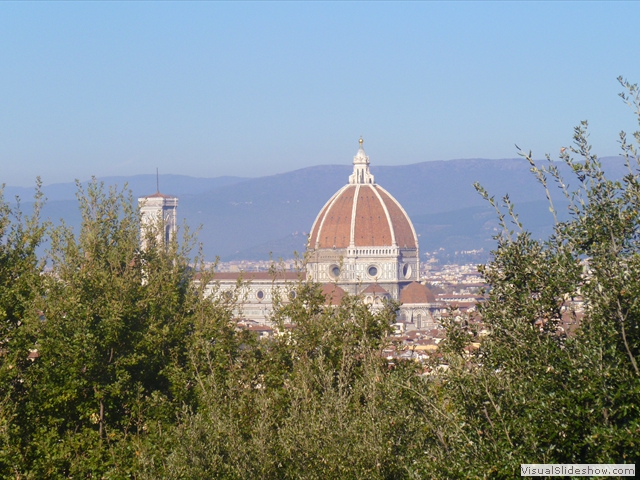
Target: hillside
x=249, y=218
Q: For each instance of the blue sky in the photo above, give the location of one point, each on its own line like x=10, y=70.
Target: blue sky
x=242, y=88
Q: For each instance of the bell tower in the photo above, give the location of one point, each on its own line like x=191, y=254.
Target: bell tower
x=158, y=218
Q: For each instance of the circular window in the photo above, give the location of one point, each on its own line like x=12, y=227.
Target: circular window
x=334, y=270
x=406, y=270
x=292, y=294
x=373, y=270
x=260, y=294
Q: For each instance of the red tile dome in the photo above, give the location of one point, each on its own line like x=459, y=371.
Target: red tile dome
x=362, y=215
x=362, y=235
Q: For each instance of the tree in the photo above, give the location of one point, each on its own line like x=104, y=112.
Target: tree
x=552, y=382
x=320, y=400
x=532, y=393
x=115, y=363
x=20, y=286
x=112, y=326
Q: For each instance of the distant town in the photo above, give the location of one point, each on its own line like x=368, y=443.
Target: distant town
x=458, y=289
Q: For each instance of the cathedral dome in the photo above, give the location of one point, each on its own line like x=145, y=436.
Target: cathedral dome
x=362, y=214
x=362, y=236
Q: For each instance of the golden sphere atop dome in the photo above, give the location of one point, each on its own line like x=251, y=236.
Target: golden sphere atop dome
x=361, y=141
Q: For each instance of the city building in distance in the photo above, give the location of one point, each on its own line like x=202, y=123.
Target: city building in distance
x=362, y=242
x=158, y=214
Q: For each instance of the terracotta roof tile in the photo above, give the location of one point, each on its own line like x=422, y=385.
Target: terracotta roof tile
x=316, y=226
x=401, y=223
x=336, y=229
x=375, y=289
x=371, y=224
x=416, y=293
x=333, y=293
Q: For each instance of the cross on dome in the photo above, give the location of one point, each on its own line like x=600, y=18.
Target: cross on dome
x=361, y=173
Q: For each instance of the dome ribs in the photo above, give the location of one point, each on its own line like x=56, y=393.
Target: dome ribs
x=334, y=223
x=316, y=226
x=365, y=214
x=371, y=226
x=404, y=233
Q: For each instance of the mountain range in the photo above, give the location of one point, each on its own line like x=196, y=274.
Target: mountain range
x=251, y=218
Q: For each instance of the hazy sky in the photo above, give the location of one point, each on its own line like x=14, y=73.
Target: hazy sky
x=240, y=88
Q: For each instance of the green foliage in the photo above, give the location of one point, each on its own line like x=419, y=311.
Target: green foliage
x=112, y=327
x=116, y=362
x=20, y=286
x=319, y=401
x=532, y=393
